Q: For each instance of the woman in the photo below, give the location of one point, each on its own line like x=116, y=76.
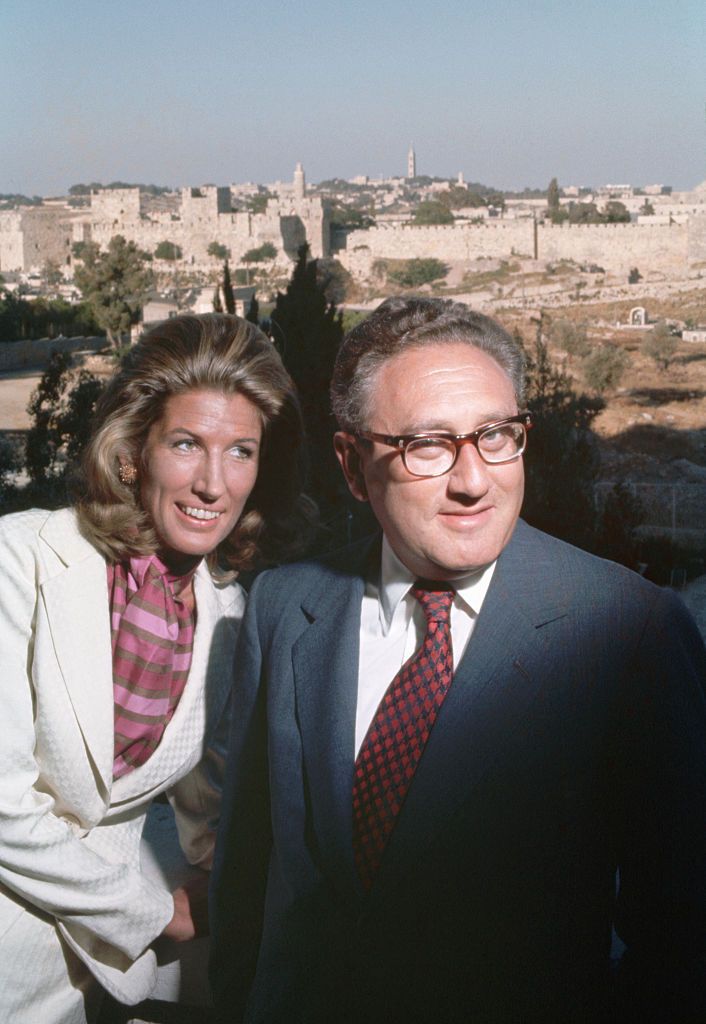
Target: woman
x=118, y=619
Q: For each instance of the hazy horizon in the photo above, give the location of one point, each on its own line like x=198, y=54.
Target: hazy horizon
x=166, y=94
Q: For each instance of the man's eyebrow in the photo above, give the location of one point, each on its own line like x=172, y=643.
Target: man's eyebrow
x=442, y=426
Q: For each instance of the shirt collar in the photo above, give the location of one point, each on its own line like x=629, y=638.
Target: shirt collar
x=396, y=581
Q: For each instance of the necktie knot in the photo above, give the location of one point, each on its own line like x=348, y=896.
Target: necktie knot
x=435, y=599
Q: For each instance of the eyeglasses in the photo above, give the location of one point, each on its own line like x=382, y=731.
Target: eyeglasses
x=434, y=454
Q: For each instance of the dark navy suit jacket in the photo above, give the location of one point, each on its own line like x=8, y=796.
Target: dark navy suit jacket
x=570, y=749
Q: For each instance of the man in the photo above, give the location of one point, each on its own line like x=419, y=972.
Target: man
x=436, y=836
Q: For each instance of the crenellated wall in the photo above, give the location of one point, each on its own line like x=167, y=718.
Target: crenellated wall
x=661, y=248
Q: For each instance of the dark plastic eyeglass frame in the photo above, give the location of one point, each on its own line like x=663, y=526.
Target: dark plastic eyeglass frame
x=400, y=441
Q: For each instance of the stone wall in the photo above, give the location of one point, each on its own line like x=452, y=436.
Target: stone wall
x=616, y=247
x=21, y=355
x=30, y=237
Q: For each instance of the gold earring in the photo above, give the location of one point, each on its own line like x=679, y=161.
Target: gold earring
x=127, y=473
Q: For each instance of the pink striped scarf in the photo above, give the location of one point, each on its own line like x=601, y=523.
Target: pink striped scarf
x=153, y=636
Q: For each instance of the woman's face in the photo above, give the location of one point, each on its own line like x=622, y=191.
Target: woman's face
x=199, y=465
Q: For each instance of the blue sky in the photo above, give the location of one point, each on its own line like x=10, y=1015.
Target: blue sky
x=510, y=93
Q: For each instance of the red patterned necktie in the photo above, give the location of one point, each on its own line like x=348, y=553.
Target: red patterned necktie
x=398, y=733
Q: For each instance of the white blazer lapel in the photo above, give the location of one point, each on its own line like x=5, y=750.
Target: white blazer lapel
x=76, y=605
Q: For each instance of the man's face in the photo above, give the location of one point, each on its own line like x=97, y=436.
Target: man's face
x=439, y=527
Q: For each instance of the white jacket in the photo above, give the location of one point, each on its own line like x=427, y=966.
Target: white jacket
x=69, y=834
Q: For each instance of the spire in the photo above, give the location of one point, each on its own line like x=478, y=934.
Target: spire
x=411, y=162
x=299, y=182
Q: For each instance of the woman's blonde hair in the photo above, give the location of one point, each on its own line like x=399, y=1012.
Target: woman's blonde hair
x=217, y=351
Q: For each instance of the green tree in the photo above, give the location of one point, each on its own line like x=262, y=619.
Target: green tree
x=51, y=274
x=413, y=273
x=562, y=460
x=227, y=288
x=261, y=254
x=496, y=199
x=307, y=331
x=350, y=217
x=570, y=338
x=61, y=408
x=660, y=345
x=114, y=284
x=253, y=313
x=168, y=251
x=616, y=212
x=553, y=195
x=647, y=209
x=603, y=368
x=634, y=276
x=258, y=203
x=220, y=252
x=457, y=197
x=431, y=211
x=584, y=213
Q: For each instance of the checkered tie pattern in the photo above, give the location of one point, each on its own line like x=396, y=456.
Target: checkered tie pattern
x=398, y=733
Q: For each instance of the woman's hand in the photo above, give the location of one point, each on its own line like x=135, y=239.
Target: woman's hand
x=190, y=918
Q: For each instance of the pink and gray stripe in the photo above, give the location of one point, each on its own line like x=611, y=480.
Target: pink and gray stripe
x=153, y=637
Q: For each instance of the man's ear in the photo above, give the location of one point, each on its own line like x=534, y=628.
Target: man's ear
x=348, y=455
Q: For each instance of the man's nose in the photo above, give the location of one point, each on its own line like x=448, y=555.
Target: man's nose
x=469, y=474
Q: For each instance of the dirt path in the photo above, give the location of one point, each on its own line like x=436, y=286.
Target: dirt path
x=15, y=389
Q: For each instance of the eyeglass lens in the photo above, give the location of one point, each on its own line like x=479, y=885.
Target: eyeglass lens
x=432, y=456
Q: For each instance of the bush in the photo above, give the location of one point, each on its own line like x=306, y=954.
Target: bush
x=603, y=368
x=413, y=273
x=430, y=211
x=220, y=252
x=570, y=338
x=264, y=252
x=660, y=345
x=168, y=251
x=634, y=276
x=21, y=319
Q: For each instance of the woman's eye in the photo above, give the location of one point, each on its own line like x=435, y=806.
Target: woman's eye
x=241, y=452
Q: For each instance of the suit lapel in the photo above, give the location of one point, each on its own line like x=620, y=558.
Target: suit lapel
x=490, y=698
x=325, y=664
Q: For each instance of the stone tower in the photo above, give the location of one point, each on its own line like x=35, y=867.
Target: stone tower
x=411, y=163
x=299, y=182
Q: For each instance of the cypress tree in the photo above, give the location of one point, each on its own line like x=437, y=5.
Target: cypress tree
x=307, y=330
x=228, y=297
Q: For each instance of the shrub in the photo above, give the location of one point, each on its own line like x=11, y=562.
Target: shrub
x=264, y=252
x=570, y=338
x=413, y=273
x=660, y=345
x=168, y=251
x=603, y=368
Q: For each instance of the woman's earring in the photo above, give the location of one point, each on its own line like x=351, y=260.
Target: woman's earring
x=127, y=473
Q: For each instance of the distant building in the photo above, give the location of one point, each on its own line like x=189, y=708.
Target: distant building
x=411, y=163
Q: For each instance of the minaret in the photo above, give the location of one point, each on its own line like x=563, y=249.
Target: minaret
x=411, y=162
x=299, y=182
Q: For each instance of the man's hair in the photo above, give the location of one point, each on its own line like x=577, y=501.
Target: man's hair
x=399, y=324
x=215, y=351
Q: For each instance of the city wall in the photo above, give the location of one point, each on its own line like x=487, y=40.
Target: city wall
x=666, y=249
x=30, y=237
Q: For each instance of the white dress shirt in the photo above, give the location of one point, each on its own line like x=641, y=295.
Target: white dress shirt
x=393, y=626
